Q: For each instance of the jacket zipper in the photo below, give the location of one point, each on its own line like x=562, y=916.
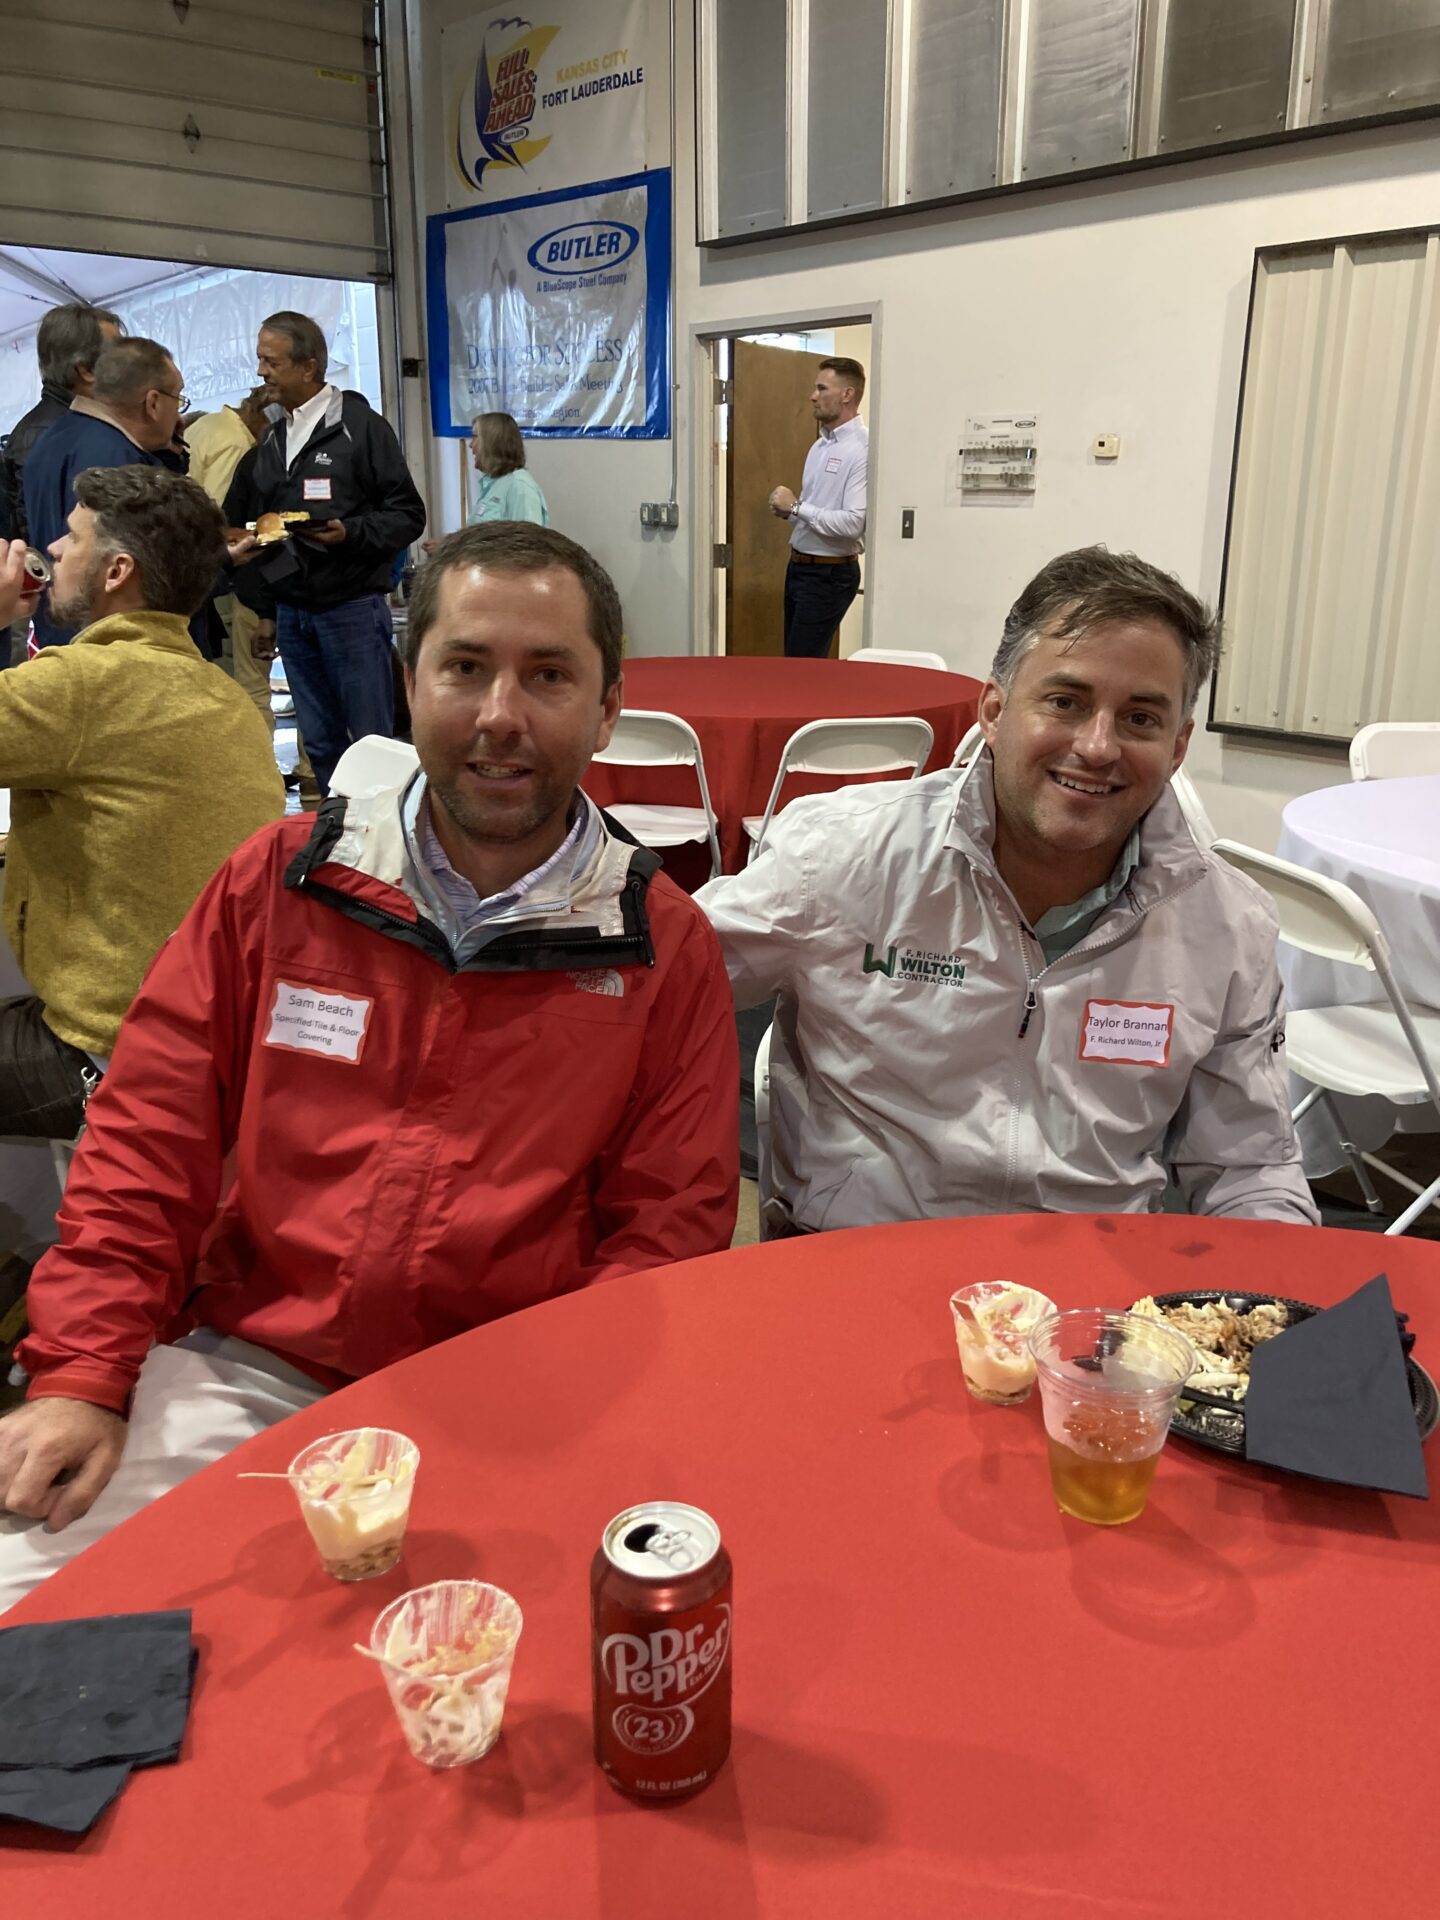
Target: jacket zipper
x=1032, y=981
x=1031, y=1001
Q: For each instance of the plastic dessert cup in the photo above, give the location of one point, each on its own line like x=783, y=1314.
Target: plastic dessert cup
x=992, y=1321
x=446, y=1652
x=1108, y=1386
x=354, y=1490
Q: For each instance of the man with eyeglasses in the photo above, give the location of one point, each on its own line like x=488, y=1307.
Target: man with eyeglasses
x=130, y=418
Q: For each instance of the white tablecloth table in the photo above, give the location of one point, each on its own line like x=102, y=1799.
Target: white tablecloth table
x=1382, y=838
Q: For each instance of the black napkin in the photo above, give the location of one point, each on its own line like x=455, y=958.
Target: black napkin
x=1329, y=1397
x=68, y=1800
x=84, y=1702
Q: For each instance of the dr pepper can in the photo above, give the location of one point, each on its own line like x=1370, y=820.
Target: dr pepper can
x=660, y=1612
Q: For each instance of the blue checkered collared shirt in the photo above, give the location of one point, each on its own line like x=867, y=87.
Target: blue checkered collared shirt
x=468, y=922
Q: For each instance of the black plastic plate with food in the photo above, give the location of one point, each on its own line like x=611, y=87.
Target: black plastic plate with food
x=1223, y=1430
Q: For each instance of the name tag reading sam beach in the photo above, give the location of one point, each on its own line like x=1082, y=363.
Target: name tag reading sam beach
x=306, y=1020
x=1132, y=1033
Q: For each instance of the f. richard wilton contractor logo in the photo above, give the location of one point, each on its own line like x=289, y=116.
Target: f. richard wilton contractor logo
x=912, y=963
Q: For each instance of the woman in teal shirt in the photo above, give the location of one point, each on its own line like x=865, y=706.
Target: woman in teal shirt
x=506, y=490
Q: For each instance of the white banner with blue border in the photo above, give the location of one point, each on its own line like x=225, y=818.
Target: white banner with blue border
x=555, y=309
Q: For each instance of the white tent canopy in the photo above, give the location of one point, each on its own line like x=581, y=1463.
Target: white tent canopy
x=33, y=279
x=206, y=316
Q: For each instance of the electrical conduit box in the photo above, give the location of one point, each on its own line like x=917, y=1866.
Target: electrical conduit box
x=659, y=513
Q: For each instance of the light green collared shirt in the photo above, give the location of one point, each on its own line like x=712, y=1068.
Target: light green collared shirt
x=1062, y=928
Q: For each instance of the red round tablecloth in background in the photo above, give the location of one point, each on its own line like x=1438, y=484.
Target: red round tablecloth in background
x=744, y=711
x=949, y=1699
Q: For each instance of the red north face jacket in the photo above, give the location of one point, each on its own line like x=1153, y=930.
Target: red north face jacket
x=404, y=1150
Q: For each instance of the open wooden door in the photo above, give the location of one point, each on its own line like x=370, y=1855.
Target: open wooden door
x=771, y=430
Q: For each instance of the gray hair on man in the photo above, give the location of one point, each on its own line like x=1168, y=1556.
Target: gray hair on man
x=1079, y=590
x=126, y=370
x=307, y=341
x=69, y=339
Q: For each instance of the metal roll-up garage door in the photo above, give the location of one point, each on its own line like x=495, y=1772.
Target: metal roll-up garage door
x=245, y=135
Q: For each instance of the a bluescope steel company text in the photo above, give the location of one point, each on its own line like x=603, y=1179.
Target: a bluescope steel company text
x=670, y=1664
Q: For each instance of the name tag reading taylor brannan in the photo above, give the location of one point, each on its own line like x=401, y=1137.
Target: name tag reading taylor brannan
x=1133, y=1033
x=305, y=1020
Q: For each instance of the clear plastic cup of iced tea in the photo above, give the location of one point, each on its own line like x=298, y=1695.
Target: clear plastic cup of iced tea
x=1109, y=1382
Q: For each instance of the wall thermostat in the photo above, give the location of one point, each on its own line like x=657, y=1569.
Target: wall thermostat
x=1106, y=446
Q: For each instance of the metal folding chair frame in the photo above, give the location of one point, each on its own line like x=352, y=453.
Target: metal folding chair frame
x=1310, y=907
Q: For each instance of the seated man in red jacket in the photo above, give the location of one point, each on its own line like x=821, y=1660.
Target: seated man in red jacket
x=431, y=1057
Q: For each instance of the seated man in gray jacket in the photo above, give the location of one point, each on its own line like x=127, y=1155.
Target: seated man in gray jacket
x=1023, y=987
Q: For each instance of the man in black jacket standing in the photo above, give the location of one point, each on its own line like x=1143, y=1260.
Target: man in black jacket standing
x=321, y=591
x=67, y=346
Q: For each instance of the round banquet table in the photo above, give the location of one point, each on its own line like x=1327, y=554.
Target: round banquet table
x=744, y=710
x=1382, y=838
x=949, y=1699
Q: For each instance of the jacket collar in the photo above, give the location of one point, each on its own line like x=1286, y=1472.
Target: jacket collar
x=52, y=390
x=334, y=411
x=95, y=410
x=1169, y=859
x=356, y=860
x=167, y=632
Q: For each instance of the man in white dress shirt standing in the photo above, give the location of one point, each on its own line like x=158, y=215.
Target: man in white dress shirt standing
x=829, y=516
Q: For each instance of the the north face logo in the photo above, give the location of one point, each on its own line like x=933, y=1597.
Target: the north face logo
x=600, y=980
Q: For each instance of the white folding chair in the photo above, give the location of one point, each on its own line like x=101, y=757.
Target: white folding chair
x=373, y=765
x=846, y=746
x=643, y=739
x=900, y=657
x=1390, y=1051
x=1202, y=830
x=762, y=1117
x=1391, y=749
x=968, y=748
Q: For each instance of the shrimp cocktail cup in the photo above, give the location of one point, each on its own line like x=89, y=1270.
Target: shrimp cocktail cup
x=992, y=1321
x=354, y=1491
x=447, y=1652
x=1108, y=1385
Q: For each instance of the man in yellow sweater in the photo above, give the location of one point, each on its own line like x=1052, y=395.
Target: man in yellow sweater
x=217, y=443
x=135, y=768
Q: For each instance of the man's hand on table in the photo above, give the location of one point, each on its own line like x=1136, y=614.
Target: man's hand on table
x=46, y=1438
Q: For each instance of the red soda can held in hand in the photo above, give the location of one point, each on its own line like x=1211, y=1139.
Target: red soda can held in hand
x=661, y=1589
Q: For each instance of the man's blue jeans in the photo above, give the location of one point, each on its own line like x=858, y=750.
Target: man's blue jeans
x=338, y=665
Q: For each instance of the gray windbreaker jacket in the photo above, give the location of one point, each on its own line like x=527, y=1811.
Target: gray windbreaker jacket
x=925, y=1061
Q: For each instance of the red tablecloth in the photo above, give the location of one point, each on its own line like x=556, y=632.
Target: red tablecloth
x=949, y=1699
x=744, y=711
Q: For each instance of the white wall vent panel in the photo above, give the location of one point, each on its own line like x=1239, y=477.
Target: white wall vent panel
x=1332, y=572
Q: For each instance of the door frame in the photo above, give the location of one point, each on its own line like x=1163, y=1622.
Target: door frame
x=703, y=336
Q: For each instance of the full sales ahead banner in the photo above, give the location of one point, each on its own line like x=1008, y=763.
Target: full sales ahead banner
x=547, y=103
x=555, y=309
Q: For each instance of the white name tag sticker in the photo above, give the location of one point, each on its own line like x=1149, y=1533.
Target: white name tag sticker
x=307, y=1020
x=832, y=465
x=1132, y=1033
x=317, y=489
